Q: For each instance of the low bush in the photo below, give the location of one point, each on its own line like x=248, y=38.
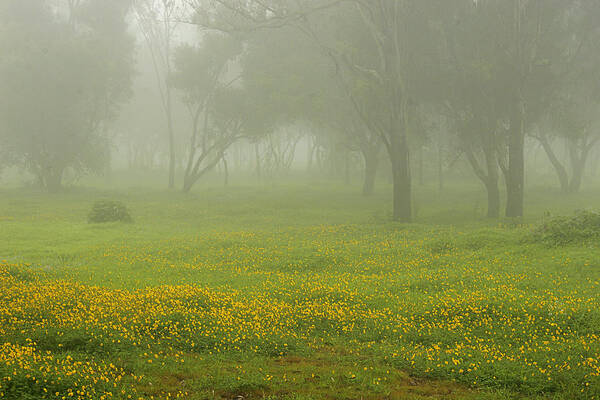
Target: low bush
x=109, y=211
x=560, y=231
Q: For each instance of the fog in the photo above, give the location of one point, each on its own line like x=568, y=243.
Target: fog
x=299, y=199
x=377, y=94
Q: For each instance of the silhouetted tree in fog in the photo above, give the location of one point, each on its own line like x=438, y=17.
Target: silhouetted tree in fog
x=65, y=69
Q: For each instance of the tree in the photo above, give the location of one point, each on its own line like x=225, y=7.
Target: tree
x=157, y=20
x=505, y=55
x=63, y=74
x=570, y=115
x=527, y=38
x=385, y=62
x=572, y=121
x=218, y=105
x=473, y=98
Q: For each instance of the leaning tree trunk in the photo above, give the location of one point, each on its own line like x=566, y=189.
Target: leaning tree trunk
x=489, y=178
x=576, y=178
x=560, y=170
x=188, y=183
x=578, y=161
x=493, y=199
x=516, y=165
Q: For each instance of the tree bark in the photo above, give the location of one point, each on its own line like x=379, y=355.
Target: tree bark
x=226, y=171
x=172, y=156
x=401, y=178
x=371, y=165
x=516, y=164
x=440, y=168
x=578, y=161
x=52, y=179
x=489, y=178
x=493, y=199
x=493, y=192
x=421, y=176
x=257, y=157
x=346, y=167
x=560, y=170
x=576, y=178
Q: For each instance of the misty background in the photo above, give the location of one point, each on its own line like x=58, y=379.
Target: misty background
x=384, y=95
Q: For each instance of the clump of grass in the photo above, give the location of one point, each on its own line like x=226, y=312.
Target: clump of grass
x=441, y=246
x=109, y=211
x=564, y=230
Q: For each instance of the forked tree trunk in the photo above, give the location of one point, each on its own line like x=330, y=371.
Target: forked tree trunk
x=578, y=162
x=576, y=178
x=489, y=177
x=561, y=171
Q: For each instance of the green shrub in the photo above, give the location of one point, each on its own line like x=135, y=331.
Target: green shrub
x=109, y=211
x=560, y=231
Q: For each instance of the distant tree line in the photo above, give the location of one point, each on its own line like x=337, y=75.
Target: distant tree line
x=420, y=81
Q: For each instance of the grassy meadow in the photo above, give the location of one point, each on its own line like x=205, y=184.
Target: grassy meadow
x=293, y=291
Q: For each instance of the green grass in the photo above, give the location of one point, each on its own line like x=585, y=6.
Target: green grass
x=294, y=291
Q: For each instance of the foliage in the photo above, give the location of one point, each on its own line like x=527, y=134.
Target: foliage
x=562, y=230
x=218, y=104
x=62, y=78
x=109, y=211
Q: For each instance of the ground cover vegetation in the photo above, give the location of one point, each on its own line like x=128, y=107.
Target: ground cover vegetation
x=286, y=295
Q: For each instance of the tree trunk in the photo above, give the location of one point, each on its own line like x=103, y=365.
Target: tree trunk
x=226, y=171
x=493, y=199
x=257, y=156
x=311, y=154
x=440, y=168
x=489, y=176
x=172, y=155
x=594, y=164
x=516, y=165
x=578, y=161
x=401, y=179
x=421, y=176
x=493, y=192
x=346, y=167
x=188, y=182
x=371, y=165
x=560, y=170
x=576, y=178
x=52, y=179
